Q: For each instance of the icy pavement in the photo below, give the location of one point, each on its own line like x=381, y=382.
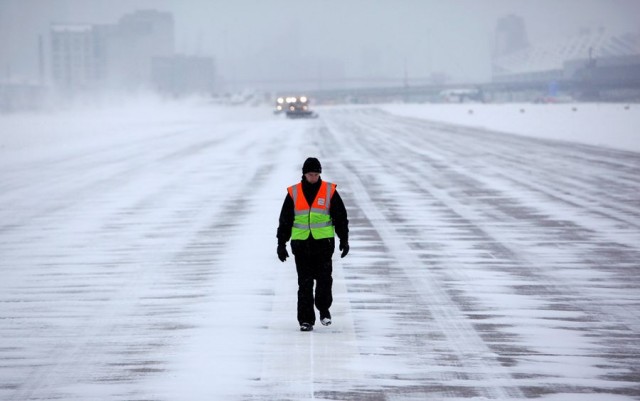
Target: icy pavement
x=138, y=262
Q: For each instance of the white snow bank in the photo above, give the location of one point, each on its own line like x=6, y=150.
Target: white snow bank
x=615, y=126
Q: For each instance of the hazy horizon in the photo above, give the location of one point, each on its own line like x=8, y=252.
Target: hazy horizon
x=277, y=40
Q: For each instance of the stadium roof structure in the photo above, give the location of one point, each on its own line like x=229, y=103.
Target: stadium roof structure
x=553, y=56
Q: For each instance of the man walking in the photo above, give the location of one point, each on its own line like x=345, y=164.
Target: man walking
x=311, y=213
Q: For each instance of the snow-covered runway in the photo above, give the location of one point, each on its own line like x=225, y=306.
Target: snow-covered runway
x=138, y=261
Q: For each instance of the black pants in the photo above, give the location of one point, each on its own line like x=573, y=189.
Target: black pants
x=313, y=264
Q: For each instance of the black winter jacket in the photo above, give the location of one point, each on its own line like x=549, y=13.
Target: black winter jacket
x=337, y=211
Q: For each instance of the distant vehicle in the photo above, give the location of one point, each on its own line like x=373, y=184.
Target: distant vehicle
x=280, y=105
x=553, y=99
x=294, y=107
x=461, y=95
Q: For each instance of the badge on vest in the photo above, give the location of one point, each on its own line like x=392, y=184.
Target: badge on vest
x=321, y=201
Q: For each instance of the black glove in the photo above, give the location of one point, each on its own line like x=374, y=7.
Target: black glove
x=282, y=252
x=344, y=247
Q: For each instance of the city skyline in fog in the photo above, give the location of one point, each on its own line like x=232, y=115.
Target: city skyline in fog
x=256, y=42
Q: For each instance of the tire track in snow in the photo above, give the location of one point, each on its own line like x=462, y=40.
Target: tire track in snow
x=451, y=322
x=380, y=149
x=510, y=205
x=106, y=320
x=577, y=175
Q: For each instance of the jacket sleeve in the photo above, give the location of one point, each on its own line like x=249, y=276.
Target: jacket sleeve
x=339, y=218
x=286, y=220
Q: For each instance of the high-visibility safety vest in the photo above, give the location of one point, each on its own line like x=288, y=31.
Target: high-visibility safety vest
x=314, y=219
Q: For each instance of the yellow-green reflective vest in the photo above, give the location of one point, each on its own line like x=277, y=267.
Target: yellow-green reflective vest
x=314, y=220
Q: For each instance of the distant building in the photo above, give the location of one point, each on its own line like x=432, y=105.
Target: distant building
x=571, y=58
x=593, y=65
x=181, y=75
x=74, y=61
x=21, y=96
x=88, y=56
x=137, y=39
x=510, y=36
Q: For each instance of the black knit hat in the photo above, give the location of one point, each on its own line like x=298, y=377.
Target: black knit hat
x=311, y=165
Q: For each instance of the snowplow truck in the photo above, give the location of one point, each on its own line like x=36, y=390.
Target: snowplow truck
x=298, y=107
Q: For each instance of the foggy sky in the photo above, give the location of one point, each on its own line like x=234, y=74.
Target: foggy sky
x=262, y=40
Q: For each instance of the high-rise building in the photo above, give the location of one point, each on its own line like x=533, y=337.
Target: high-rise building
x=510, y=35
x=73, y=57
x=138, y=38
x=119, y=56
